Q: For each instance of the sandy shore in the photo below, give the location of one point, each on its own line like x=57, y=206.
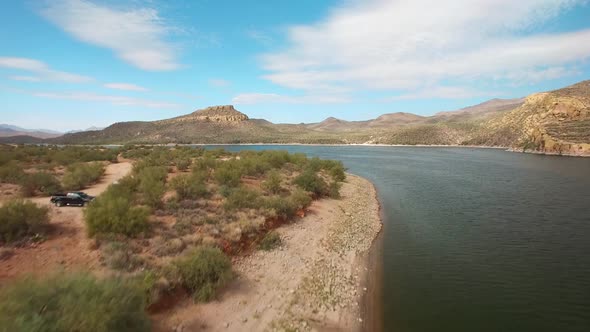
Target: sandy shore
x=315, y=281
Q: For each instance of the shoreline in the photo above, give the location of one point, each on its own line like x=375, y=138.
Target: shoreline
x=322, y=277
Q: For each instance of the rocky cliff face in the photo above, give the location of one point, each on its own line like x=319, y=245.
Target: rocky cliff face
x=555, y=122
x=219, y=114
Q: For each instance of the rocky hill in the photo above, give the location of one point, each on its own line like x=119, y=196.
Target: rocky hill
x=554, y=122
x=551, y=122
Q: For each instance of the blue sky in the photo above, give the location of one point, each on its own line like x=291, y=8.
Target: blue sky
x=72, y=64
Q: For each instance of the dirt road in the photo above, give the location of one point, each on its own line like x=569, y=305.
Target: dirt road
x=67, y=246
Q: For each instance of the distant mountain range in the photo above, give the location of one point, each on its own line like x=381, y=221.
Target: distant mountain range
x=7, y=130
x=549, y=122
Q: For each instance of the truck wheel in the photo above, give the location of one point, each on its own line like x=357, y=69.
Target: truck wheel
x=60, y=204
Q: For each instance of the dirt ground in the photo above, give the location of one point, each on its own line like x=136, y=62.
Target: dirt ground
x=67, y=247
x=311, y=282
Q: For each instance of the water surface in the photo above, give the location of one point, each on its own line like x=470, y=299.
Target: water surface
x=478, y=239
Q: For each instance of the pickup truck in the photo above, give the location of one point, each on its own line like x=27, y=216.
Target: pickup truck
x=76, y=198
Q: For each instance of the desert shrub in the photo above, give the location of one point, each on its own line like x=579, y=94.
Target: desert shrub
x=43, y=182
x=11, y=172
x=336, y=170
x=118, y=256
x=273, y=182
x=189, y=186
x=73, y=302
x=203, y=272
x=204, y=164
x=79, y=176
x=183, y=164
x=270, y=241
x=152, y=185
x=243, y=198
x=334, y=190
x=283, y=207
x=309, y=180
x=300, y=199
x=228, y=173
x=20, y=218
x=113, y=213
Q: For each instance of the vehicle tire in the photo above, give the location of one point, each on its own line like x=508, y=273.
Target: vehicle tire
x=83, y=203
x=59, y=204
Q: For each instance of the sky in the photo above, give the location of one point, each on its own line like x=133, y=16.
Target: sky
x=72, y=64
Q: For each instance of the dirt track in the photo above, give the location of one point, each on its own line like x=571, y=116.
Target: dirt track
x=67, y=246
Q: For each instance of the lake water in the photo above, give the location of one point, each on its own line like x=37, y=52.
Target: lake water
x=477, y=239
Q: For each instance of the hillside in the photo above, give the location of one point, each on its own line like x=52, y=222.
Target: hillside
x=549, y=122
x=11, y=131
x=555, y=122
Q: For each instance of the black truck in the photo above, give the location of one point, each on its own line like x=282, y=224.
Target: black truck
x=74, y=198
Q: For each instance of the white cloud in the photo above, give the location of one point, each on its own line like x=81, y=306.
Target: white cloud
x=271, y=98
x=42, y=71
x=219, y=83
x=25, y=78
x=115, y=100
x=443, y=92
x=412, y=44
x=136, y=35
x=125, y=86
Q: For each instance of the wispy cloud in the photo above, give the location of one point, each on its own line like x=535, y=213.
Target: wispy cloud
x=442, y=92
x=271, y=98
x=41, y=71
x=259, y=36
x=125, y=86
x=219, y=83
x=25, y=78
x=399, y=46
x=138, y=36
x=114, y=100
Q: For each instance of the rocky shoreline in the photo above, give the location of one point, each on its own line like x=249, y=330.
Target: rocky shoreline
x=322, y=277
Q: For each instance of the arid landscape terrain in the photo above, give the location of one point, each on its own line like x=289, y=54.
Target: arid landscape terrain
x=554, y=122
x=190, y=236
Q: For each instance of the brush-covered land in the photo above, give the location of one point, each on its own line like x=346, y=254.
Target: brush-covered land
x=163, y=229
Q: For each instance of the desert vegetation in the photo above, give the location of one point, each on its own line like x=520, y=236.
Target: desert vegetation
x=45, y=170
x=169, y=226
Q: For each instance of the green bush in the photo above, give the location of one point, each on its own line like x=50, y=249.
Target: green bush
x=228, y=173
x=113, y=213
x=183, y=164
x=43, y=182
x=189, y=186
x=73, y=302
x=152, y=185
x=243, y=198
x=11, y=172
x=203, y=272
x=270, y=241
x=300, y=199
x=334, y=190
x=282, y=206
x=273, y=182
x=19, y=219
x=78, y=176
x=309, y=180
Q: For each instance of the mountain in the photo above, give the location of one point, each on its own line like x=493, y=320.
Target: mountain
x=549, y=122
x=10, y=131
x=556, y=122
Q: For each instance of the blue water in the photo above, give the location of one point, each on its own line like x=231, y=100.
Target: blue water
x=477, y=239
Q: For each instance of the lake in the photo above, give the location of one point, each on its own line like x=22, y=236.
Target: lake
x=477, y=239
